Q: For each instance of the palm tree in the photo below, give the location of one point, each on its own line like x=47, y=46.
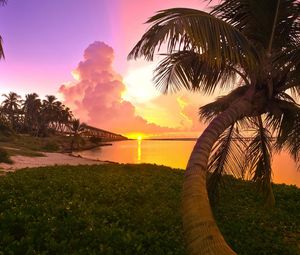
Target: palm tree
x=251, y=47
x=31, y=108
x=49, y=107
x=11, y=105
x=76, y=129
x=65, y=117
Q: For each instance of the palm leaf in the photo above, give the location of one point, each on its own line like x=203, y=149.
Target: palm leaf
x=1, y=48
x=256, y=19
x=227, y=157
x=2, y=2
x=259, y=156
x=190, y=70
x=189, y=29
x=290, y=63
x=289, y=130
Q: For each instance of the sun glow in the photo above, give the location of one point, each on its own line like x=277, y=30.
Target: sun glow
x=136, y=136
x=139, y=85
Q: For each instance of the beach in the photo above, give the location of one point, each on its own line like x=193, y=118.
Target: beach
x=50, y=159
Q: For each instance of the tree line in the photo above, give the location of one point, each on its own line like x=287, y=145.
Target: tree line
x=37, y=117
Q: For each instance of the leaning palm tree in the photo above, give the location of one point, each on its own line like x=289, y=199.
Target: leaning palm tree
x=252, y=48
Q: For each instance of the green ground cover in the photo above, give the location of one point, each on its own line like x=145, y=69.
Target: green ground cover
x=132, y=209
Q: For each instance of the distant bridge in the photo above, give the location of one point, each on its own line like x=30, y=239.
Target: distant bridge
x=90, y=131
x=105, y=135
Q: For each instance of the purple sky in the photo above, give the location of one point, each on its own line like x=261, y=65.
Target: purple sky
x=43, y=40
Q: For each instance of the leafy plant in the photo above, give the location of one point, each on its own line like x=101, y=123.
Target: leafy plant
x=132, y=209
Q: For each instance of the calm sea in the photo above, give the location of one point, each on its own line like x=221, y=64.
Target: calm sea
x=175, y=153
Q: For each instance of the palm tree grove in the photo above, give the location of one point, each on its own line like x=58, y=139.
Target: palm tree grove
x=249, y=48
x=35, y=116
x=211, y=169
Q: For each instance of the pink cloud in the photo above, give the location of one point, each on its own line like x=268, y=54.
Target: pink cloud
x=96, y=97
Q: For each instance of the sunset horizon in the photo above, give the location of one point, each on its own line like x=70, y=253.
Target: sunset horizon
x=150, y=127
x=147, y=110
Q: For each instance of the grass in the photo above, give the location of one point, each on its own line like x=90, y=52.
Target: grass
x=132, y=209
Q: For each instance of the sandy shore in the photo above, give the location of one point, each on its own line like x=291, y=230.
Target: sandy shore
x=50, y=159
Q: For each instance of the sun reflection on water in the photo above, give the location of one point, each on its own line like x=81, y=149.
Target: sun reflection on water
x=139, y=147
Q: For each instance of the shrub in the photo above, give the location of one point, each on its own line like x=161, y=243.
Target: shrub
x=4, y=157
x=5, y=130
x=50, y=146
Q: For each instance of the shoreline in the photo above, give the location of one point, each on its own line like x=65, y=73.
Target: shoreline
x=49, y=159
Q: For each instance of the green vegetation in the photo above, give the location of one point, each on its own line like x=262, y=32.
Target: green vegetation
x=4, y=157
x=132, y=209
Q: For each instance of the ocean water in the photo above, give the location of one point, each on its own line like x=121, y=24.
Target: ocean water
x=175, y=153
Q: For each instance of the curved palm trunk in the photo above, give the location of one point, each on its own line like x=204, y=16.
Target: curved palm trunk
x=200, y=229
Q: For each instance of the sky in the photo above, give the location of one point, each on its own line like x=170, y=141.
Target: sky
x=78, y=52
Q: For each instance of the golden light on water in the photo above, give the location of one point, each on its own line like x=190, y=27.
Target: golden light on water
x=139, y=138
x=139, y=153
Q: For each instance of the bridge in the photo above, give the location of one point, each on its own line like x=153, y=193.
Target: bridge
x=104, y=135
x=89, y=131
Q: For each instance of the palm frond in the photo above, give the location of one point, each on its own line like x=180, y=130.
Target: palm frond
x=290, y=63
x=256, y=19
x=198, y=31
x=289, y=130
x=190, y=70
x=208, y=111
x=259, y=156
x=1, y=48
x=227, y=157
x=2, y=2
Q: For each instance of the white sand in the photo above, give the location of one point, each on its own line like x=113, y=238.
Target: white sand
x=50, y=159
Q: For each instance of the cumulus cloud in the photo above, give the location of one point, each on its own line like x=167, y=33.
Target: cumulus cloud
x=96, y=95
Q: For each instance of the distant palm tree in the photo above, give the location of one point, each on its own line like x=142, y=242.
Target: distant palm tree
x=65, y=117
x=76, y=129
x=49, y=102
x=31, y=108
x=253, y=48
x=49, y=112
x=11, y=106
